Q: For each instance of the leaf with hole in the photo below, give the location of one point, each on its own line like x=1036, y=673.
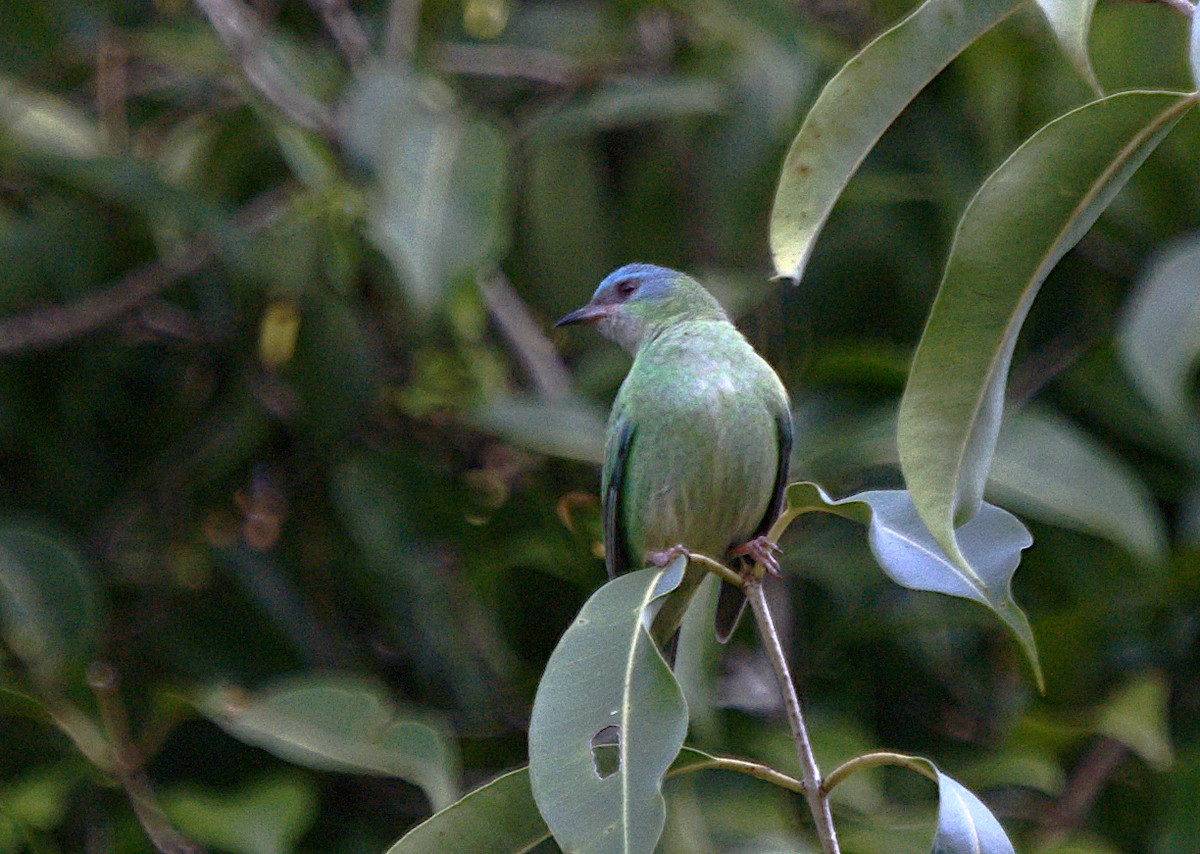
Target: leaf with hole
x=607, y=680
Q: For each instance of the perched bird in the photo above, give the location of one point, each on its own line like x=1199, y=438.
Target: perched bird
x=696, y=456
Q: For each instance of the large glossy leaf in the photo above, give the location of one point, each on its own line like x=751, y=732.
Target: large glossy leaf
x=1159, y=337
x=341, y=723
x=438, y=213
x=1024, y=218
x=1053, y=471
x=854, y=110
x=991, y=545
x=606, y=678
x=267, y=816
x=1071, y=20
x=50, y=612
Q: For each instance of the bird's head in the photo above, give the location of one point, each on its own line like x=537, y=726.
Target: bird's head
x=637, y=301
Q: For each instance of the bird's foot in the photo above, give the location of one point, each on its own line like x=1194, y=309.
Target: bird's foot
x=762, y=550
x=661, y=557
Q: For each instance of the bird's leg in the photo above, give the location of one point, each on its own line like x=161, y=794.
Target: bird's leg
x=762, y=549
x=661, y=557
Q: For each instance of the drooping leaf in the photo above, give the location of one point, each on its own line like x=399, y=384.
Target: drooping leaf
x=1159, y=337
x=1029, y=212
x=268, y=816
x=50, y=611
x=341, y=723
x=991, y=545
x=438, y=212
x=1138, y=716
x=1053, y=471
x=1071, y=20
x=964, y=824
x=607, y=678
x=854, y=110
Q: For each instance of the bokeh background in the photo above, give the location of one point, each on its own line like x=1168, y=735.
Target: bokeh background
x=281, y=405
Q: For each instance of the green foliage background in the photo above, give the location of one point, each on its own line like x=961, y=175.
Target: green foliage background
x=288, y=453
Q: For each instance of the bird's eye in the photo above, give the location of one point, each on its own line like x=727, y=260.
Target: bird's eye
x=626, y=288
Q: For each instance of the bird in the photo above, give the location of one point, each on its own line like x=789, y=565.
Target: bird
x=698, y=439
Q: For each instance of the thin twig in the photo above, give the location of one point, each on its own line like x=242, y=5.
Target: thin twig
x=49, y=326
x=403, y=22
x=742, y=766
x=497, y=60
x=818, y=801
x=716, y=568
x=345, y=28
x=1086, y=782
x=128, y=765
x=550, y=377
x=245, y=36
x=872, y=760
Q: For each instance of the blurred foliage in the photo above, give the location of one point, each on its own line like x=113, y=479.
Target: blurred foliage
x=282, y=431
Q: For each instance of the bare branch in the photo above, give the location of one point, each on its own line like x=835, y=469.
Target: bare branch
x=525, y=337
x=345, y=28
x=49, y=326
x=245, y=36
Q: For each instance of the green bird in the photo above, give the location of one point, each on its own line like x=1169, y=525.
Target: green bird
x=696, y=456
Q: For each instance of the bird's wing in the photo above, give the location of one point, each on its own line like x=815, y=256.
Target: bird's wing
x=616, y=549
x=731, y=602
x=783, y=428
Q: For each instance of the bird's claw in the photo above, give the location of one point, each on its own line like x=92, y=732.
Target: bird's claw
x=762, y=550
x=661, y=557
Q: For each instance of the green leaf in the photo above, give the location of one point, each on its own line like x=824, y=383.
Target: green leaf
x=1024, y=218
x=964, y=824
x=500, y=816
x=39, y=121
x=50, y=611
x=1158, y=340
x=572, y=428
x=854, y=110
x=606, y=677
x=1071, y=20
x=1138, y=716
x=268, y=816
x=991, y=545
x=631, y=101
x=344, y=724
x=1053, y=471
x=439, y=208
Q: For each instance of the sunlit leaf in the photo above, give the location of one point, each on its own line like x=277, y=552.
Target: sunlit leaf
x=1054, y=472
x=1138, y=716
x=267, y=816
x=1024, y=218
x=606, y=677
x=1159, y=337
x=341, y=723
x=50, y=611
x=991, y=545
x=854, y=110
x=1071, y=20
x=43, y=122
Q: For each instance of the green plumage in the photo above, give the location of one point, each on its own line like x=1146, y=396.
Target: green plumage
x=699, y=434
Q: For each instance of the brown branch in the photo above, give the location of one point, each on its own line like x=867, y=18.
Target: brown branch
x=245, y=36
x=345, y=28
x=1087, y=780
x=525, y=337
x=49, y=326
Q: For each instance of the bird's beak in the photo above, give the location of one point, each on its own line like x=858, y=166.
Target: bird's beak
x=589, y=313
